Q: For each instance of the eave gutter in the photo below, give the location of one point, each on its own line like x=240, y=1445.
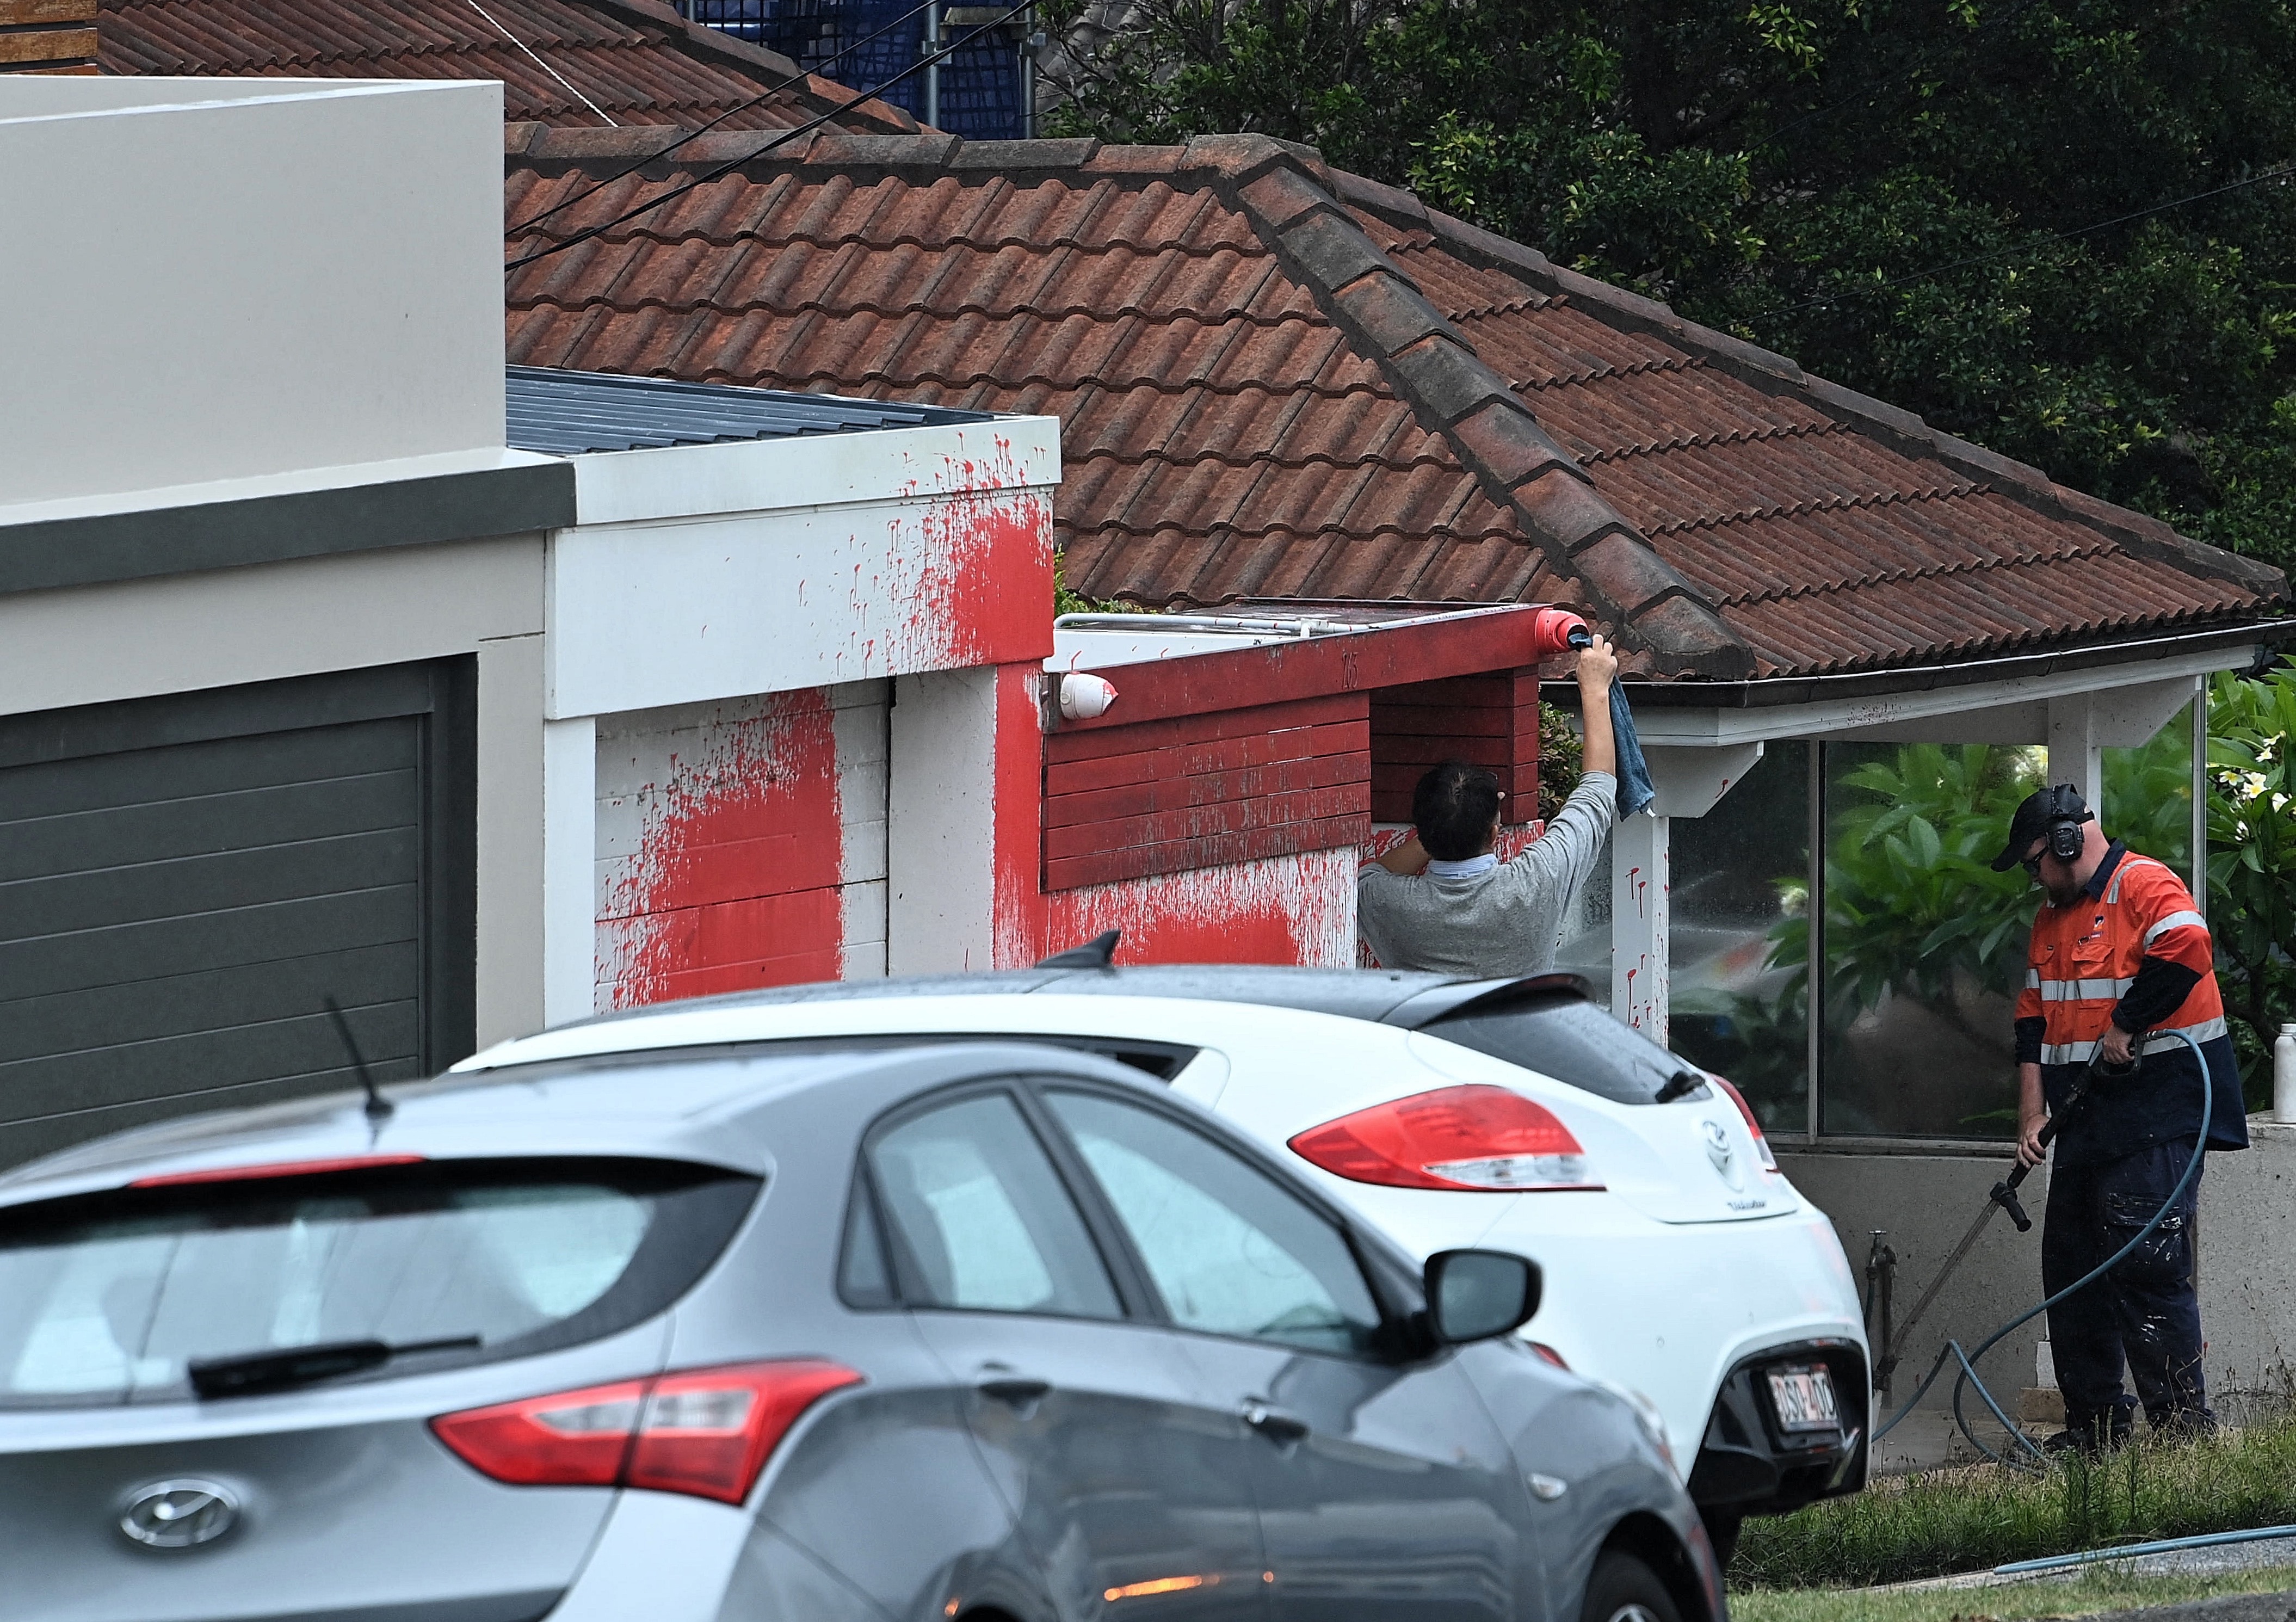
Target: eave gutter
x=1767, y=693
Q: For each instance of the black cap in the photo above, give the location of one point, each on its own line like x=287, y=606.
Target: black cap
x=2034, y=814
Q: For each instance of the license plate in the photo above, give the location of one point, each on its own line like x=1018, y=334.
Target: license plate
x=1803, y=1400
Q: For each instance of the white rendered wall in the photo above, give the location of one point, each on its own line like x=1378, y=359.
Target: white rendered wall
x=512, y=921
x=883, y=555
x=737, y=844
x=942, y=831
x=210, y=280
x=92, y=645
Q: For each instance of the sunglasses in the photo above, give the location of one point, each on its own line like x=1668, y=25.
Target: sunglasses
x=2032, y=864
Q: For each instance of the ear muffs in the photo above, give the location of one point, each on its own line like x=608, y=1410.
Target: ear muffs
x=2066, y=815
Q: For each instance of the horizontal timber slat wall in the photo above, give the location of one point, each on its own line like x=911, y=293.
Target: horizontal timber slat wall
x=1490, y=720
x=1203, y=791
x=47, y=35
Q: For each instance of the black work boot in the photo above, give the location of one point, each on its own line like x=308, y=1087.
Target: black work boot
x=2183, y=1424
x=2092, y=1436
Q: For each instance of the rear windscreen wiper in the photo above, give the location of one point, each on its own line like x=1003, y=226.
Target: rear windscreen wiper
x=1682, y=1084
x=251, y=1373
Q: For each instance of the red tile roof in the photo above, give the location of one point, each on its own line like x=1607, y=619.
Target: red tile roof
x=1278, y=379
x=637, y=60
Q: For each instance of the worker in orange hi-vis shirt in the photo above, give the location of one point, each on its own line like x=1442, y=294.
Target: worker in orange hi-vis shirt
x=2120, y=959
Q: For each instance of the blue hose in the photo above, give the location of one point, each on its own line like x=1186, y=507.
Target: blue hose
x=1968, y=1360
x=2166, y=1545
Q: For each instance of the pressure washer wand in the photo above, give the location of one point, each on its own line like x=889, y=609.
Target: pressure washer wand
x=2003, y=1198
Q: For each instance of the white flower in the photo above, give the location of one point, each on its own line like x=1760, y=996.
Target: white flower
x=2252, y=785
x=2280, y=802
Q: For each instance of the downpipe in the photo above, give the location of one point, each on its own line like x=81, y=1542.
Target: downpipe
x=2004, y=1194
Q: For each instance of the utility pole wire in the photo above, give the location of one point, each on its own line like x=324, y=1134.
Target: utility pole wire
x=2281, y=173
x=784, y=139
x=702, y=129
x=544, y=66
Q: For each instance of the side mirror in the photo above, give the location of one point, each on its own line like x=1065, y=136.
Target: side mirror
x=1473, y=1295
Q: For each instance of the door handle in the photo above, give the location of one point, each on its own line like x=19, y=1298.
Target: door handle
x=1274, y=1423
x=1018, y=1390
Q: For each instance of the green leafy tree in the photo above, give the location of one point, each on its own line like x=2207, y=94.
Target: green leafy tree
x=2253, y=863
x=1068, y=599
x=1912, y=902
x=2058, y=227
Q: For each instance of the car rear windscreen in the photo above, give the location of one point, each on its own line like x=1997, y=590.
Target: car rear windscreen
x=108, y=1298
x=1570, y=1040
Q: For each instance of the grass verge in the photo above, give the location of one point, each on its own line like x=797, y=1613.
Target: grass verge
x=2083, y=1596
x=1937, y=1522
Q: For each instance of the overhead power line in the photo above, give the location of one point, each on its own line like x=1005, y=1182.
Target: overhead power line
x=539, y=62
x=786, y=136
x=731, y=112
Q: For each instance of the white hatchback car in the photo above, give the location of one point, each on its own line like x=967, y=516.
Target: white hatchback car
x=1681, y=1265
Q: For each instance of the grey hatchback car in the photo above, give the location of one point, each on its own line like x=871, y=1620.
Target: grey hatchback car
x=784, y=1333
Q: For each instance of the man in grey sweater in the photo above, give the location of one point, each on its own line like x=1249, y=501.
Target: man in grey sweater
x=1443, y=901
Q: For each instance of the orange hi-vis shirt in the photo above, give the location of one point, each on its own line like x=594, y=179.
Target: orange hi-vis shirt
x=2085, y=957
x=2133, y=929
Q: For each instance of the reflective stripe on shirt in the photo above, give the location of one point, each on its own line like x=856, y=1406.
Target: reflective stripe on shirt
x=2158, y=1041
x=2174, y=921
x=2083, y=991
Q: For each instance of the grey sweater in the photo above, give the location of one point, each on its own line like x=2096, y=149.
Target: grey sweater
x=1506, y=922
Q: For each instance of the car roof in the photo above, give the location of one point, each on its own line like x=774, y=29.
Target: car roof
x=670, y=1103
x=1408, y=1001
x=1383, y=996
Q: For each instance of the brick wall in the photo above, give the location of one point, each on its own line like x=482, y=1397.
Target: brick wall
x=1206, y=790
x=1490, y=720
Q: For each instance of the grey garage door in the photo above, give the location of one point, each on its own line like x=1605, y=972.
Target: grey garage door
x=184, y=880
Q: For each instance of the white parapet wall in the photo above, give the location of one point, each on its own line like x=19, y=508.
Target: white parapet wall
x=2248, y=1271
x=250, y=278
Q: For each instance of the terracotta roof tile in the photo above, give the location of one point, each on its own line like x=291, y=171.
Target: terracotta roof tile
x=637, y=61
x=1277, y=380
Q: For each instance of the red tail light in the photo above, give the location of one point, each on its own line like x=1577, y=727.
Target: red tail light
x=1547, y=1353
x=706, y=1432
x=276, y=1169
x=1466, y=1137
x=1761, y=1145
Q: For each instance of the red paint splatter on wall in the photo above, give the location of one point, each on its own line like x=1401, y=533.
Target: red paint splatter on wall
x=735, y=882
x=1293, y=909
x=986, y=594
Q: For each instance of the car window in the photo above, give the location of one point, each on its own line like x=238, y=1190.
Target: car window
x=108, y=1298
x=980, y=1218
x=1232, y=1251
x=1571, y=1040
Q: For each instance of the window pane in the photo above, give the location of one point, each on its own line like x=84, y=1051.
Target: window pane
x=1739, y=937
x=1231, y=1252
x=110, y=1298
x=1560, y=1035
x=1923, y=943
x=983, y=1217
x=2148, y=795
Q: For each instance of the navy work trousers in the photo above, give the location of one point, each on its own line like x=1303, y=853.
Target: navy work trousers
x=2145, y=1310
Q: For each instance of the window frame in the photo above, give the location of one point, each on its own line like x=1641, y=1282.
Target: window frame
x=1393, y=1290
x=1392, y=1341
x=907, y=1280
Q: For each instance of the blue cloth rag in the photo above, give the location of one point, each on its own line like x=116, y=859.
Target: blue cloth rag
x=1635, y=790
